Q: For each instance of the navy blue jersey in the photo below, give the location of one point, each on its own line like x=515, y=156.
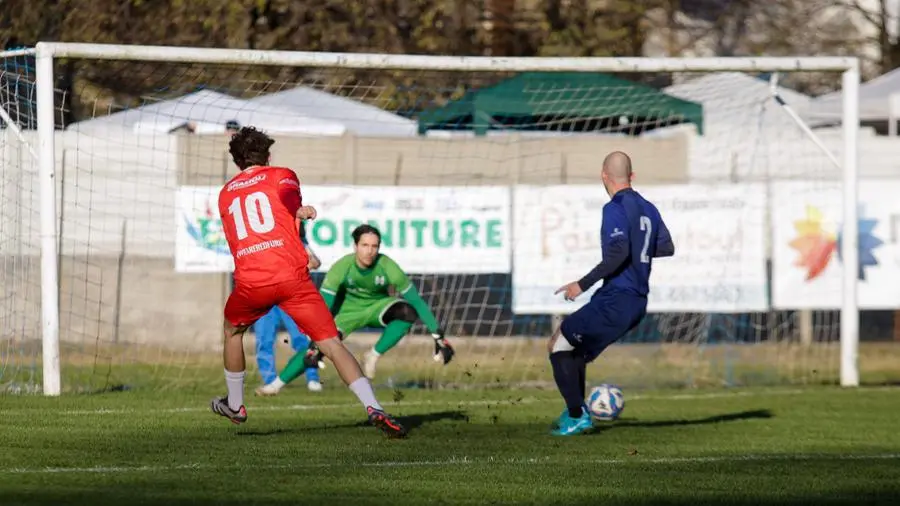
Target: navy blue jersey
x=632, y=234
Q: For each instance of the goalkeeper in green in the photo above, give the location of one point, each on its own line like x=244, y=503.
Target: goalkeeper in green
x=362, y=279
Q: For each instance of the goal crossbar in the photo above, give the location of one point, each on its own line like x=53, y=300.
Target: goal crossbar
x=454, y=63
x=46, y=52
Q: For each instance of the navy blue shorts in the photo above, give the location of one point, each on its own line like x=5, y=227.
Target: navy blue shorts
x=602, y=321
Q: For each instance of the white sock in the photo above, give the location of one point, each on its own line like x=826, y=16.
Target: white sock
x=277, y=384
x=235, y=383
x=363, y=390
x=374, y=353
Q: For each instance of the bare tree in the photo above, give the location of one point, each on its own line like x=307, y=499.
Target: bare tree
x=751, y=28
x=880, y=24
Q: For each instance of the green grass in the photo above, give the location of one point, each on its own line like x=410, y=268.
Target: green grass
x=480, y=363
x=751, y=446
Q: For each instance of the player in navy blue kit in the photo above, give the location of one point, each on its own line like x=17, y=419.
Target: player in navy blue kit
x=631, y=235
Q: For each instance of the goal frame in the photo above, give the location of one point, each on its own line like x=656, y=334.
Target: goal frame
x=47, y=52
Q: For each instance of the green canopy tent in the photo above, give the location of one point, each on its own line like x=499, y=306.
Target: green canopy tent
x=563, y=102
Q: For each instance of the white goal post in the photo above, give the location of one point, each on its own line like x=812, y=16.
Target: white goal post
x=46, y=53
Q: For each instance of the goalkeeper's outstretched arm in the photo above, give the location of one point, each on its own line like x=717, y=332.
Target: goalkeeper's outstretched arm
x=400, y=281
x=411, y=295
x=443, y=351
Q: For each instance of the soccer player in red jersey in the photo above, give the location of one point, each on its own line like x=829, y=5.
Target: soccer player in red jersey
x=261, y=208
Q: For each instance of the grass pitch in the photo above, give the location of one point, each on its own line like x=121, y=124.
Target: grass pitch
x=821, y=445
x=480, y=363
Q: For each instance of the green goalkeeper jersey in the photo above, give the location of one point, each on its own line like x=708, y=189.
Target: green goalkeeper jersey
x=362, y=287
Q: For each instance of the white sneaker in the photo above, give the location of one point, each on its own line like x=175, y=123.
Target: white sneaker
x=314, y=386
x=369, y=361
x=267, y=390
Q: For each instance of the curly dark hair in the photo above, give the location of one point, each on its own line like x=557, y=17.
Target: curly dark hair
x=249, y=147
x=363, y=229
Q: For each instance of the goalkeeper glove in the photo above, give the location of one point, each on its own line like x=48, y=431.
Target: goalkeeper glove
x=313, y=357
x=443, y=352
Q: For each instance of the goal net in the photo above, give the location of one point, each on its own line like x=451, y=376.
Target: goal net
x=20, y=290
x=483, y=181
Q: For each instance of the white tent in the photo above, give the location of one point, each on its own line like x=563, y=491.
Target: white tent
x=879, y=100
x=359, y=118
x=747, y=135
x=208, y=111
x=127, y=118
x=733, y=99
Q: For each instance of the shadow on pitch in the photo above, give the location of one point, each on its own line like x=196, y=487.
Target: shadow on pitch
x=759, y=414
x=411, y=422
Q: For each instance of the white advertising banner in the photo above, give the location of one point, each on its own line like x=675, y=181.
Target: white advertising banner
x=433, y=230
x=200, y=244
x=718, y=231
x=807, y=265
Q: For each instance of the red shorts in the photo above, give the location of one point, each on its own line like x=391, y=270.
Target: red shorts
x=298, y=298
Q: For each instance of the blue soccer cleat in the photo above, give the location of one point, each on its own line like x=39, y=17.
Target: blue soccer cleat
x=565, y=414
x=559, y=421
x=568, y=426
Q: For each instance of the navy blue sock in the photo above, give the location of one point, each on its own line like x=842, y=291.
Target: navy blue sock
x=581, y=364
x=566, y=373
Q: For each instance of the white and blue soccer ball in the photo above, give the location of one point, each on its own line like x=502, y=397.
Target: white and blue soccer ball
x=606, y=402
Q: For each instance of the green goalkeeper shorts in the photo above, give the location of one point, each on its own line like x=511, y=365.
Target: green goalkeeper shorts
x=356, y=315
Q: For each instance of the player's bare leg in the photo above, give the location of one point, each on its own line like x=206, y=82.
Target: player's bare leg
x=344, y=362
x=232, y=405
x=552, y=342
x=348, y=369
x=233, y=351
x=296, y=366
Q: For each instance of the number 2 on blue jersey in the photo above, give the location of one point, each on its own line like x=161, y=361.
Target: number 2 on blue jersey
x=647, y=228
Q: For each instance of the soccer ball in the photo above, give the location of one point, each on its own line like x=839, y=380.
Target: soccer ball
x=606, y=402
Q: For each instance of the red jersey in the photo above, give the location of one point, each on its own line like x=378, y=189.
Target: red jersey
x=258, y=209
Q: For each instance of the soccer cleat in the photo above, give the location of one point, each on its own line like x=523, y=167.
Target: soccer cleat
x=565, y=414
x=560, y=420
x=369, y=361
x=267, y=390
x=386, y=423
x=569, y=426
x=314, y=386
x=219, y=406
